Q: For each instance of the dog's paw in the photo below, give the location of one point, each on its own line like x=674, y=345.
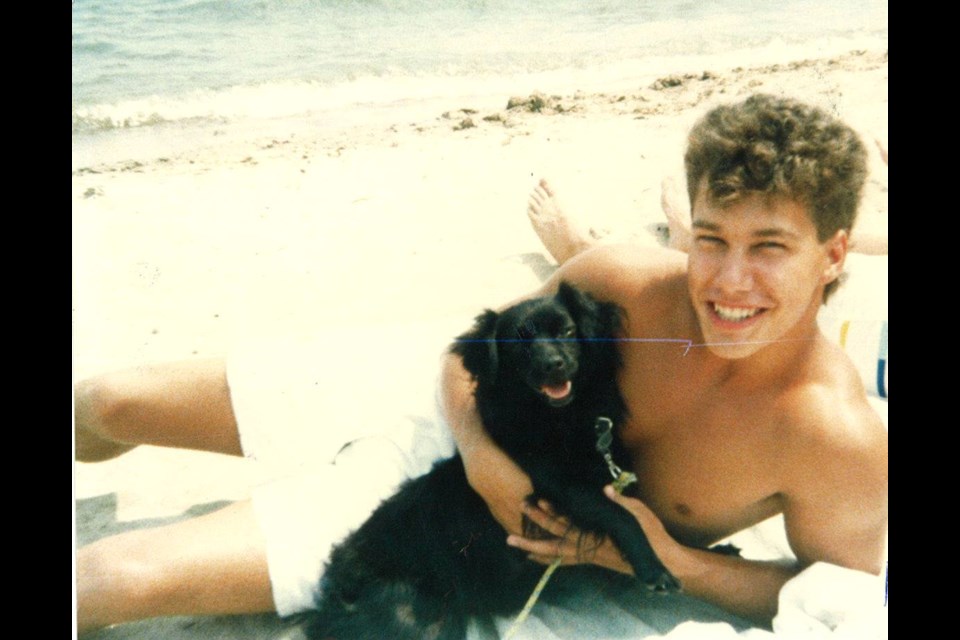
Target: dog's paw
x=533, y=531
x=662, y=582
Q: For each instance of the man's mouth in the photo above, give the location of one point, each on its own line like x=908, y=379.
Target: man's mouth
x=734, y=314
x=558, y=394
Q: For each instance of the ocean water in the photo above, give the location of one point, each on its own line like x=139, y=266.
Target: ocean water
x=139, y=64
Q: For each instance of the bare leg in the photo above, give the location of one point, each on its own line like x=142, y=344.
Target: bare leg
x=560, y=234
x=182, y=404
x=867, y=242
x=564, y=238
x=210, y=565
x=214, y=564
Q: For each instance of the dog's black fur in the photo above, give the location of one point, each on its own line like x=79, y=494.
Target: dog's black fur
x=432, y=555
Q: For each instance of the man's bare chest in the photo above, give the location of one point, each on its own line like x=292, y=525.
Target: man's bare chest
x=707, y=461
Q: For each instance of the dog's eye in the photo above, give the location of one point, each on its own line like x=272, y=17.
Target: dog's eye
x=524, y=333
x=569, y=333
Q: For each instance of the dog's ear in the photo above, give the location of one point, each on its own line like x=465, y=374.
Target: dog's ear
x=593, y=318
x=583, y=308
x=478, y=346
x=610, y=318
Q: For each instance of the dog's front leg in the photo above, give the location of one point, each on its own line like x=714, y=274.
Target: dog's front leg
x=592, y=512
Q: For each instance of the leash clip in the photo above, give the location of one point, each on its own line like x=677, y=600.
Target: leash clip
x=621, y=479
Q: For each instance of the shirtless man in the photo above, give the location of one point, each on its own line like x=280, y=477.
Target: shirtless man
x=757, y=414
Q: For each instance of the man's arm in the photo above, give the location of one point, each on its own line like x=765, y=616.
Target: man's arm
x=492, y=474
x=835, y=489
x=748, y=588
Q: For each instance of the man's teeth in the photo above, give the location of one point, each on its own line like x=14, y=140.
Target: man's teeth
x=735, y=314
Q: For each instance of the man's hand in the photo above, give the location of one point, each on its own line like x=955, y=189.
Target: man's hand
x=574, y=547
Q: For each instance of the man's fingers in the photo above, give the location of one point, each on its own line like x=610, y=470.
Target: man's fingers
x=632, y=505
x=542, y=548
x=546, y=520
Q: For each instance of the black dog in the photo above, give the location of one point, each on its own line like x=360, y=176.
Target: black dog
x=432, y=555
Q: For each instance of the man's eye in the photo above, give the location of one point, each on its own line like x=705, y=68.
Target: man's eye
x=771, y=246
x=709, y=240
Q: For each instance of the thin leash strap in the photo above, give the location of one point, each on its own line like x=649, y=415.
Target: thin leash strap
x=532, y=600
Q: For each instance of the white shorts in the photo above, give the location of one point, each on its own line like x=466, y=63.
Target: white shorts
x=336, y=428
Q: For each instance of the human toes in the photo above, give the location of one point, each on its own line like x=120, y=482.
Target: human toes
x=536, y=204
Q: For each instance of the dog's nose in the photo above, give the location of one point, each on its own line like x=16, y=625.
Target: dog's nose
x=556, y=363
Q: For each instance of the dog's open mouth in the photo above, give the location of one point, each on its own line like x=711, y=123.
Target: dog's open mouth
x=559, y=394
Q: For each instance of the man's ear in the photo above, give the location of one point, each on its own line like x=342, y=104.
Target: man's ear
x=837, y=247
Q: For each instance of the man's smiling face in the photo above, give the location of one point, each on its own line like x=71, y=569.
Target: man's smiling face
x=756, y=271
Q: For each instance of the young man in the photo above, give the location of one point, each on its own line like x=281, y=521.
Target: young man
x=740, y=409
x=751, y=413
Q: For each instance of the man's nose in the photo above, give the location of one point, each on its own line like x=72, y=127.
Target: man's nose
x=735, y=273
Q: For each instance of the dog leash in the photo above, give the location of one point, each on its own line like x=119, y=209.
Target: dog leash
x=621, y=480
x=532, y=600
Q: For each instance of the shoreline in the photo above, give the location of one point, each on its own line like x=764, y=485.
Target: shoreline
x=330, y=131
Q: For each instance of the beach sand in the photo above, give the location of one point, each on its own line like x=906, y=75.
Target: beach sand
x=300, y=228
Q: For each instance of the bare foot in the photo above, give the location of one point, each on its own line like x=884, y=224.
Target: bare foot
x=678, y=215
x=561, y=235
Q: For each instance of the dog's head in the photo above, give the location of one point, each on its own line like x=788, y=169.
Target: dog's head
x=542, y=344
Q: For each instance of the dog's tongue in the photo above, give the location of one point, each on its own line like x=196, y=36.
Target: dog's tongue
x=557, y=391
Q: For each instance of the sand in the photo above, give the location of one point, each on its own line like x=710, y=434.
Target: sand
x=297, y=228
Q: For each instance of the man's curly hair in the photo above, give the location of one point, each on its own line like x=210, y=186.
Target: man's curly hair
x=780, y=147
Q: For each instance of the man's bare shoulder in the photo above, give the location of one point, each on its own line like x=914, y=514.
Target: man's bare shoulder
x=826, y=406
x=622, y=272
x=834, y=469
